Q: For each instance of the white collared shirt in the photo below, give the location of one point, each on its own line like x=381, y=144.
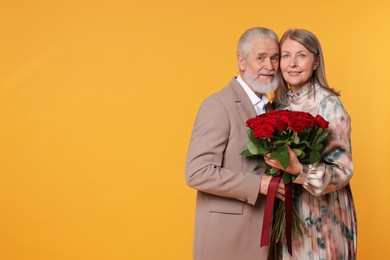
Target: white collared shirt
x=257, y=102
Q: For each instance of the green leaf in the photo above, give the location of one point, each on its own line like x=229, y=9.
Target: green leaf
x=246, y=153
x=262, y=150
x=319, y=131
x=302, y=156
x=295, y=138
x=253, y=148
x=252, y=138
x=321, y=137
x=306, y=143
x=317, y=146
x=314, y=157
x=297, y=151
x=281, y=142
x=281, y=154
x=274, y=171
x=305, y=136
x=286, y=178
x=260, y=165
x=265, y=144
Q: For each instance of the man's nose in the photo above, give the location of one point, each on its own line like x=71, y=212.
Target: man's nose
x=268, y=64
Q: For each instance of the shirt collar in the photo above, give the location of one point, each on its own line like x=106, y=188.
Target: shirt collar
x=299, y=93
x=259, y=101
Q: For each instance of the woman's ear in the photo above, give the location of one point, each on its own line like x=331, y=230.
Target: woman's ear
x=316, y=62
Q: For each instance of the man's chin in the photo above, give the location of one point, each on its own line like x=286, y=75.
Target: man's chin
x=265, y=88
x=265, y=82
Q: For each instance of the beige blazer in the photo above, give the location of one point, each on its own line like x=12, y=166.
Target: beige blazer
x=229, y=210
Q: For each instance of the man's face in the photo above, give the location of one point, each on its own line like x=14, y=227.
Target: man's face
x=259, y=69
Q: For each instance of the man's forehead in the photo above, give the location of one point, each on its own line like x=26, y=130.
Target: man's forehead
x=266, y=46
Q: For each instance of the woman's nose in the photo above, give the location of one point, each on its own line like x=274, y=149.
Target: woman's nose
x=293, y=62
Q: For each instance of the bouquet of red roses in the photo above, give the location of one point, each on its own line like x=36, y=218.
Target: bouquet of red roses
x=269, y=134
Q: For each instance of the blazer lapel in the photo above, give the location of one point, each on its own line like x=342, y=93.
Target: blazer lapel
x=243, y=103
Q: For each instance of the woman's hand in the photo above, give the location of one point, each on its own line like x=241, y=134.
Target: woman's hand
x=294, y=167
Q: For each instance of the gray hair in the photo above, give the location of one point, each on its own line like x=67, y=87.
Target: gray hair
x=243, y=47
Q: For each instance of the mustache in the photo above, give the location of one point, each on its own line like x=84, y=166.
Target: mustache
x=266, y=72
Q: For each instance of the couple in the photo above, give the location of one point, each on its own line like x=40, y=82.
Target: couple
x=230, y=196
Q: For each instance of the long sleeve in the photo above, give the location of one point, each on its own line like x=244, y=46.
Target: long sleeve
x=214, y=164
x=337, y=169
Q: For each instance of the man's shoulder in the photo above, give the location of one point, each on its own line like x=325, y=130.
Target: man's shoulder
x=227, y=92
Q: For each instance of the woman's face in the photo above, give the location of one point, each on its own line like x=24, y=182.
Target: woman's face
x=297, y=64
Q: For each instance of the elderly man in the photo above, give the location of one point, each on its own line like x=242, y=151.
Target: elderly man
x=230, y=195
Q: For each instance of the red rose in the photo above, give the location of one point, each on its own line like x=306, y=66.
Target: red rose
x=251, y=122
x=296, y=125
x=263, y=131
x=309, y=121
x=284, y=118
x=281, y=125
x=321, y=122
x=284, y=113
x=271, y=120
x=272, y=112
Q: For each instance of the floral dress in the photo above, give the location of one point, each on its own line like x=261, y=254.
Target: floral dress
x=322, y=193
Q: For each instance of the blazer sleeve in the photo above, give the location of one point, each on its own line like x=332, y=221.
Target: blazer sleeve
x=207, y=151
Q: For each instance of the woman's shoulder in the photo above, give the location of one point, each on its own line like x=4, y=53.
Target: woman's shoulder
x=329, y=101
x=323, y=94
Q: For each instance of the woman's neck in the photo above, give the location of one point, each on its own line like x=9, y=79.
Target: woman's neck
x=295, y=89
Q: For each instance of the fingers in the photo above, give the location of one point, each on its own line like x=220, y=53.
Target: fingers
x=281, y=192
x=294, y=166
x=273, y=163
x=282, y=198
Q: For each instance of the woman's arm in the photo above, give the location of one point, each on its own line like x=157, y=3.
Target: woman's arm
x=337, y=168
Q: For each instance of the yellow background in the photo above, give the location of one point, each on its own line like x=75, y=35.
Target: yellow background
x=97, y=102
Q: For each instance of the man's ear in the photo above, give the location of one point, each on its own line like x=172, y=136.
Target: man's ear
x=241, y=62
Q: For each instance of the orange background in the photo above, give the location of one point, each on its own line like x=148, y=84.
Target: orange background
x=97, y=102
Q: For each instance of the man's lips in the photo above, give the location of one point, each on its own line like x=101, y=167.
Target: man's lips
x=267, y=75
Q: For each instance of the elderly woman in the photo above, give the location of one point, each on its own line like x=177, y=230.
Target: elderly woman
x=322, y=193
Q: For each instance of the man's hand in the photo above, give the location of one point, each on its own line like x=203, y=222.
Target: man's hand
x=265, y=180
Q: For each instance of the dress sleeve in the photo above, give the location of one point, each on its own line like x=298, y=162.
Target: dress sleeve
x=204, y=165
x=337, y=169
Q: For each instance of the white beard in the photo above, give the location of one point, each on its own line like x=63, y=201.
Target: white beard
x=258, y=87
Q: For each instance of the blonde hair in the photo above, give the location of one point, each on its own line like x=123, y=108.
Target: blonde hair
x=310, y=42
